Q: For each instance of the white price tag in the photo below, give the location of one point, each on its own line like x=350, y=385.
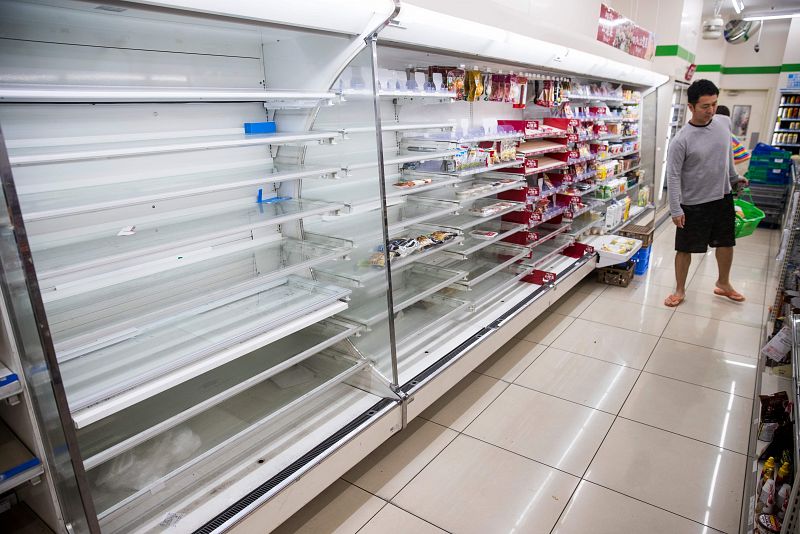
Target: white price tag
x=779, y=346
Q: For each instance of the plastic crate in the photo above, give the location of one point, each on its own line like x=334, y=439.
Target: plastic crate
x=643, y=233
x=768, y=176
x=616, y=275
x=642, y=260
x=771, y=161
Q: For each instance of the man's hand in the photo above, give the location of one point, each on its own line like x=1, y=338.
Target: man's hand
x=743, y=182
x=679, y=221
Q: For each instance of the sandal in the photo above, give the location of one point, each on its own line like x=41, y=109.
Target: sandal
x=673, y=300
x=733, y=295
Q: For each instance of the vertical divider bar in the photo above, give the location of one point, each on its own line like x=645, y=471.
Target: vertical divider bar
x=372, y=41
x=42, y=326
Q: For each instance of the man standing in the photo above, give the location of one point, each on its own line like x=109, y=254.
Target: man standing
x=700, y=173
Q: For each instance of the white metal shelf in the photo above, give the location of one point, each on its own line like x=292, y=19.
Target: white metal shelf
x=488, y=261
x=472, y=244
x=181, y=142
x=38, y=204
x=482, y=187
x=595, y=98
x=236, y=419
x=10, y=385
x=466, y=221
x=488, y=168
x=462, y=138
x=149, y=358
x=170, y=244
x=496, y=286
x=17, y=465
x=398, y=127
x=91, y=95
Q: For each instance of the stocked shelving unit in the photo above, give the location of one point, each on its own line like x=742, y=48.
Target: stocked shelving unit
x=204, y=326
x=786, y=133
x=769, y=379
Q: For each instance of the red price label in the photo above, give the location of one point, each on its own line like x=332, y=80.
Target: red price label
x=572, y=138
x=531, y=163
x=589, y=249
x=574, y=122
x=549, y=277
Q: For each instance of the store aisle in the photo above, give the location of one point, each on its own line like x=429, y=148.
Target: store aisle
x=610, y=410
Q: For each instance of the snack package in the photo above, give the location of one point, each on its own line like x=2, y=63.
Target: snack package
x=456, y=82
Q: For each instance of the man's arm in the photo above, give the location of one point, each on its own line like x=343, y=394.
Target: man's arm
x=733, y=176
x=675, y=158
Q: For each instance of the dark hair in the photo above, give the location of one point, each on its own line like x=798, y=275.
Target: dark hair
x=723, y=110
x=701, y=88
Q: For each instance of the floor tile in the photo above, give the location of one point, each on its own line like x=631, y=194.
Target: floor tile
x=648, y=294
x=711, y=368
x=590, y=285
x=545, y=328
x=629, y=315
x=390, y=467
x=721, y=308
x=741, y=258
x=340, y=509
x=753, y=291
x=508, y=362
x=598, y=510
x=474, y=487
x=660, y=277
x=682, y=475
x=580, y=379
x=720, y=335
x=459, y=406
x=573, y=303
x=738, y=272
x=553, y=431
x=393, y=519
x=708, y=415
x=609, y=343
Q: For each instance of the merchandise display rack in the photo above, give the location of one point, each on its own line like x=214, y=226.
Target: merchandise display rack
x=240, y=290
x=786, y=132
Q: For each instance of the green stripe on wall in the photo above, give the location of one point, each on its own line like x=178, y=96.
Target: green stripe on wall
x=675, y=50
x=765, y=69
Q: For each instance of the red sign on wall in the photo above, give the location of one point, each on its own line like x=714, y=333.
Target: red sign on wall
x=621, y=32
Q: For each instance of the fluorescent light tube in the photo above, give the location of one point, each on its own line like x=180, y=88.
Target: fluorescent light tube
x=772, y=17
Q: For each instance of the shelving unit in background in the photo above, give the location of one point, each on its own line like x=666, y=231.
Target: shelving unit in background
x=786, y=134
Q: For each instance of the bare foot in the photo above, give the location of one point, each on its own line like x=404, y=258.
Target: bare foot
x=675, y=299
x=726, y=290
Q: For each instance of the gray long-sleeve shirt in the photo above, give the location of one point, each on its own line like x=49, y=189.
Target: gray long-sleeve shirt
x=700, y=164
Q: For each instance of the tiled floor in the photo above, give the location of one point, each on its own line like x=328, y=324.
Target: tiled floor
x=611, y=413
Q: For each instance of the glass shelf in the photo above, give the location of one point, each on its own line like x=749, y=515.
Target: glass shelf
x=548, y=215
x=92, y=94
x=287, y=256
x=124, y=430
x=586, y=222
x=165, y=237
x=552, y=230
x=121, y=480
x=539, y=147
x=148, y=358
x=363, y=195
x=78, y=151
x=466, y=221
x=403, y=157
x=474, y=189
x=594, y=98
x=473, y=244
x=468, y=173
x=461, y=138
x=548, y=250
x=359, y=270
x=408, y=287
x=488, y=261
x=589, y=206
x=398, y=127
x=40, y=203
x=410, y=327
x=365, y=227
x=495, y=287
x=546, y=165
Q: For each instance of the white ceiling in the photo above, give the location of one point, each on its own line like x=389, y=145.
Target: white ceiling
x=759, y=7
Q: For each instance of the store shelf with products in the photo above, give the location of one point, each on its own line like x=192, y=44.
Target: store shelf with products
x=479, y=187
x=479, y=212
x=483, y=235
x=468, y=173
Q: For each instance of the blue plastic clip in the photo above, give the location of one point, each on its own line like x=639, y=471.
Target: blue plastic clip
x=270, y=200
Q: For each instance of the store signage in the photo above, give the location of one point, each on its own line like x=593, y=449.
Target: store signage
x=621, y=32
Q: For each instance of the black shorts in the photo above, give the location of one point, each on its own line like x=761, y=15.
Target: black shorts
x=711, y=224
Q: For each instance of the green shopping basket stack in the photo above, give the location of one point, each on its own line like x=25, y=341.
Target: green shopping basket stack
x=747, y=222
